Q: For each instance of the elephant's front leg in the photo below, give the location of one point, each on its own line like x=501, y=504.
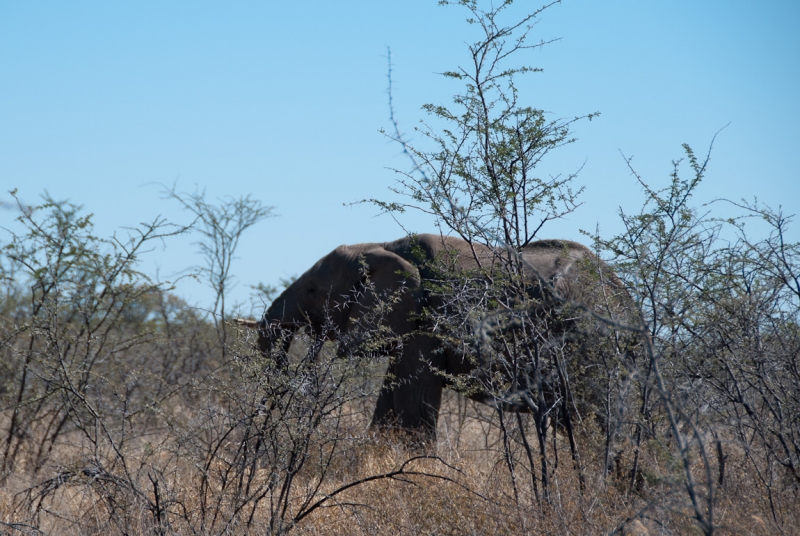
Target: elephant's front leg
x=412, y=392
x=384, y=408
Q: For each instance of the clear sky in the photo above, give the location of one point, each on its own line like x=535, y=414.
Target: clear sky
x=102, y=101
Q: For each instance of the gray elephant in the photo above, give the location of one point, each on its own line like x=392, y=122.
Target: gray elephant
x=337, y=292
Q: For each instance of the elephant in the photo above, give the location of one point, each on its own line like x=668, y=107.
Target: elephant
x=337, y=292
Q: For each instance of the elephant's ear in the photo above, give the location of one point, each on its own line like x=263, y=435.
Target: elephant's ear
x=392, y=281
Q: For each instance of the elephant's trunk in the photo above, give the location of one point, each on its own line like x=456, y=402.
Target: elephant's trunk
x=269, y=332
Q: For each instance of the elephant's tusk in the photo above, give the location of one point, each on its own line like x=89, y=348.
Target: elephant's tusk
x=249, y=324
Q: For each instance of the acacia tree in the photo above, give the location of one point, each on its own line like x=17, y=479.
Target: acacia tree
x=475, y=170
x=722, y=310
x=221, y=226
x=74, y=308
x=479, y=176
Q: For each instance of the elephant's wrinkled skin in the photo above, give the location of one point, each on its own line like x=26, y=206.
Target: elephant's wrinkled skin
x=334, y=287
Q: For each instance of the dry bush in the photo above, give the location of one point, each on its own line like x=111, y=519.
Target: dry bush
x=463, y=490
x=164, y=437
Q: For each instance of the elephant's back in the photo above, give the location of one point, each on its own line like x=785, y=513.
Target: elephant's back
x=553, y=259
x=578, y=275
x=448, y=250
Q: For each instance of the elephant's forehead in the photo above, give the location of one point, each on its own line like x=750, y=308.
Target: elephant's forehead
x=354, y=249
x=341, y=258
x=347, y=254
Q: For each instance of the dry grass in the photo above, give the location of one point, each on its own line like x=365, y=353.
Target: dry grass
x=462, y=486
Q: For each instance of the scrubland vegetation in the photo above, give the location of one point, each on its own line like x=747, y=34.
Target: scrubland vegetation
x=124, y=410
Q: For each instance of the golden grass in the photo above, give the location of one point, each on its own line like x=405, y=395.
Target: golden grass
x=464, y=486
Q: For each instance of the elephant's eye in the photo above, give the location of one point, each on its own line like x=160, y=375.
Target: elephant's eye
x=311, y=290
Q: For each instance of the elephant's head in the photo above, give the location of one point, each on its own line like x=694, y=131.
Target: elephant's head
x=340, y=288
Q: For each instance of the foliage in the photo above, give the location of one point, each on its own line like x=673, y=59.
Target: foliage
x=536, y=348
x=722, y=314
x=709, y=366
x=75, y=308
x=118, y=414
x=479, y=177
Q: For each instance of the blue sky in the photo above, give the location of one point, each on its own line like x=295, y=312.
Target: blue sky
x=100, y=102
